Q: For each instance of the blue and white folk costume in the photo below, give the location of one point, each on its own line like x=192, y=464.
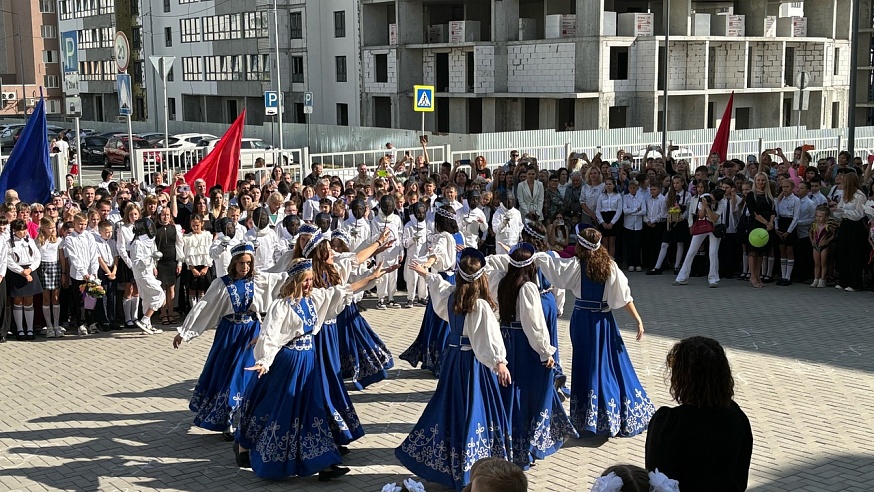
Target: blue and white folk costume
x=433, y=334
x=607, y=398
x=236, y=306
x=465, y=419
x=283, y=417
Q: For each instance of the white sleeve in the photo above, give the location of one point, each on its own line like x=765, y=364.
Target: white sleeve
x=498, y=221
x=4, y=254
x=529, y=312
x=563, y=273
x=482, y=328
x=346, y=264
x=179, y=254
x=616, y=290
x=439, y=290
x=444, y=251
x=215, y=250
x=125, y=236
x=279, y=327
x=37, y=257
x=331, y=301
x=206, y=313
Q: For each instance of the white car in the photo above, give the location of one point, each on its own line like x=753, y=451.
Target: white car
x=251, y=149
x=678, y=154
x=186, y=147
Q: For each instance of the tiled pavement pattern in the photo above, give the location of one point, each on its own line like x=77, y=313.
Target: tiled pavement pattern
x=109, y=412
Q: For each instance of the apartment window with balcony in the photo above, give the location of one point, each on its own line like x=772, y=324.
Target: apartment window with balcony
x=47, y=6
x=342, y=114
x=295, y=21
x=135, y=7
x=229, y=67
x=340, y=24
x=107, y=7
x=48, y=31
x=51, y=82
x=297, y=74
x=192, y=68
x=380, y=68
x=171, y=108
x=619, y=63
x=49, y=56
x=255, y=25
x=257, y=68
x=166, y=5
x=136, y=41
x=340, y=62
x=837, y=69
x=189, y=30
x=221, y=27
x=168, y=37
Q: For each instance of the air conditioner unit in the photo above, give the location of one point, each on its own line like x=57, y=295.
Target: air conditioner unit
x=30, y=102
x=120, y=119
x=7, y=96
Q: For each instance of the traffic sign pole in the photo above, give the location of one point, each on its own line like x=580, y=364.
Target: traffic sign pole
x=423, y=101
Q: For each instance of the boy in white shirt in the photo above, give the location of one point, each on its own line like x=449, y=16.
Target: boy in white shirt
x=386, y=219
x=633, y=213
x=80, y=252
x=107, y=260
x=472, y=221
x=416, y=233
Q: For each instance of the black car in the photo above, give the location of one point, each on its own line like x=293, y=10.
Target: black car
x=92, y=149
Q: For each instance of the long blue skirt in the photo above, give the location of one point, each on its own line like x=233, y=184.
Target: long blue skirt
x=539, y=421
x=550, y=312
x=363, y=356
x=464, y=422
x=283, y=420
x=223, y=380
x=344, y=422
x=431, y=341
x=606, y=395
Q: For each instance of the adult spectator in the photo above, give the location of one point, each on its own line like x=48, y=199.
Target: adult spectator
x=89, y=196
x=514, y=159
x=705, y=443
x=311, y=206
x=106, y=177
x=363, y=178
x=313, y=177
x=181, y=204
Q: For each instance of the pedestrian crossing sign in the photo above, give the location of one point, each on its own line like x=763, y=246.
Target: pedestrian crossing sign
x=424, y=98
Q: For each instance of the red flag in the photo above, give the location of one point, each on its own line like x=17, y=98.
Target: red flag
x=221, y=166
x=720, y=143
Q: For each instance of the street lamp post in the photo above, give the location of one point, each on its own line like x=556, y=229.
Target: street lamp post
x=278, y=74
x=20, y=62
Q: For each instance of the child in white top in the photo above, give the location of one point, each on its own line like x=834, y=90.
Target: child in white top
x=144, y=254
x=195, y=248
x=80, y=253
x=107, y=259
x=387, y=220
x=50, y=276
x=416, y=242
x=22, y=263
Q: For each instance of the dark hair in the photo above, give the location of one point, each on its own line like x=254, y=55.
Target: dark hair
x=700, y=373
x=511, y=284
x=467, y=293
x=634, y=478
x=445, y=224
x=538, y=243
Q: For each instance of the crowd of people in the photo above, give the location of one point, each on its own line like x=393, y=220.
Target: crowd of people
x=279, y=269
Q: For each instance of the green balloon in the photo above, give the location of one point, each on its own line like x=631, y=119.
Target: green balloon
x=758, y=237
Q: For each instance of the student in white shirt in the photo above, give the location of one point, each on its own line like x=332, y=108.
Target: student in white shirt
x=507, y=223
x=633, y=213
x=50, y=276
x=608, y=210
x=80, y=253
x=22, y=264
x=4, y=254
x=472, y=221
x=788, y=210
x=415, y=236
x=144, y=254
x=387, y=220
x=195, y=249
x=107, y=261
x=653, y=227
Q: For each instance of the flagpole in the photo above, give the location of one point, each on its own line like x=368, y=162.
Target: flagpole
x=666, y=152
x=79, y=150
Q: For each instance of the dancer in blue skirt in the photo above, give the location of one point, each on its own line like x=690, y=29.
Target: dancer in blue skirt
x=465, y=419
x=606, y=395
x=442, y=257
x=235, y=302
x=284, y=424
x=364, y=358
x=331, y=270
x=540, y=423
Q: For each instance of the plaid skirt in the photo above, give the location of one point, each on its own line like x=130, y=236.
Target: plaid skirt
x=49, y=275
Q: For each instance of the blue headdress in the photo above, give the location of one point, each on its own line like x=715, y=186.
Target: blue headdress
x=470, y=277
x=312, y=243
x=300, y=266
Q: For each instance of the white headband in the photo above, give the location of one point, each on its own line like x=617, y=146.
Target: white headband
x=470, y=277
x=531, y=232
x=658, y=482
x=445, y=213
x=587, y=244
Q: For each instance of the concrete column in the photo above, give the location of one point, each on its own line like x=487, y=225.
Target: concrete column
x=505, y=25
x=488, y=115
x=457, y=115
x=586, y=114
x=548, y=114
x=589, y=17
x=681, y=17
x=412, y=18
x=821, y=18
x=755, y=12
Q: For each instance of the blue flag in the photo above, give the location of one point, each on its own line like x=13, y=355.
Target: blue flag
x=28, y=169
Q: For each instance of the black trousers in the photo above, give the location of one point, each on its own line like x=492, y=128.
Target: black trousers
x=105, y=310
x=803, y=260
x=5, y=310
x=651, y=243
x=730, y=255
x=631, y=247
x=850, y=253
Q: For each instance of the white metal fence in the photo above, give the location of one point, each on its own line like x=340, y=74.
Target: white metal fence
x=172, y=161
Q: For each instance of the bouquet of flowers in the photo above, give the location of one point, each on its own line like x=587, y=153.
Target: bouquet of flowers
x=92, y=288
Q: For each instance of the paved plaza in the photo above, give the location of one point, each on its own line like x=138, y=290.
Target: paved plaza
x=109, y=412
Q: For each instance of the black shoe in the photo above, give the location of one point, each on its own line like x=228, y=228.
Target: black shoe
x=20, y=336
x=767, y=279
x=332, y=473
x=242, y=457
x=676, y=271
x=2, y=339
x=654, y=271
x=228, y=436
x=343, y=450
x=30, y=336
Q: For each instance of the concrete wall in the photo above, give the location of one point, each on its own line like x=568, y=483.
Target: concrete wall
x=541, y=67
x=370, y=83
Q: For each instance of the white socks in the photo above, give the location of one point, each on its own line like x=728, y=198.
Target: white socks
x=790, y=264
x=663, y=252
x=125, y=308
x=17, y=312
x=680, y=250
x=783, y=265
x=56, y=312
x=28, y=318
x=134, y=307
x=746, y=263
x=47, y=314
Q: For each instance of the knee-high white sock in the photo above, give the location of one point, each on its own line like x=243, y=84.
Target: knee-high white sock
x=783, y=263
x=134, y=307
x=790, y=264
x=28, y=318
x=17, y=312
x=680, y=250
x=125, y=308
x=47, y=314
x=770, y=267
x=746, y=263
x=56, y=315
x=663, y=252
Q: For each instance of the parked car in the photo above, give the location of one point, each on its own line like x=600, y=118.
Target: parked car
x=250, y=150
x=92, y=149
x=51, y=129
x=6, y=132
x=117, y=151
x=678, y=153
x=186, y=140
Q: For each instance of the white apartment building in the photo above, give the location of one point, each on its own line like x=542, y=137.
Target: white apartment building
x=505, y=65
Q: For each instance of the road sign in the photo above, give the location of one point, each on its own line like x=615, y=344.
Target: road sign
x=121, y=51
x=308, y=103
x=125, y=98
x=802, y=80
x=271, y=103
x=162, y=69
x=424, y=98
x=70, y=61
x=74, y=106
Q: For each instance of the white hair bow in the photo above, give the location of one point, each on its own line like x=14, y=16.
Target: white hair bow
x=391, y=487
x=414, y=486
x=608, y=483
x=658, y=482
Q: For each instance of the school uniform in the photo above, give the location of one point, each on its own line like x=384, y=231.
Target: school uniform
x=5, y=315
x=107, y=250
x=608, y=210
x=387, y=286
x=633, y=212
x=653, y=229
x=195, y=249
x=23, y=253
x=81, y=253
x=416, y=244
x=50, y=277
x=787, y=210
x=729, y=246
x=803, y=248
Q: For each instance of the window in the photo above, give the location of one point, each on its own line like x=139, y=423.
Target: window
x=836, y=115
x=170, y=75
x=380, y=71
x=618, y=63
x=171, y=108
x=136, y=41
x=256, y=67
x=51, y=82
x=49, y=31
x=168, y=36
x=47, y=6
x=137, y=72
x=618, y=117
x=341, y=68
x=49, y=56
x=135, y=7
x=190, y=30
x=255, y=24
x=342, y=114
x=297, y=69
x=295, y=21
x=53, y=106
x=166, y=5
x=229, y=67
x=221, y=27
x=837, y=70
x=192, y=68
x=340, y=24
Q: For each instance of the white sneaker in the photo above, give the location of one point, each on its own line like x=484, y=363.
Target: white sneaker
x=815, y=283
x=850, y=289
x=83, y=330
x=839, y=287
x=145, y=325
x=822, y=283
x=638, y=269
x=50, y=332
x=631, y=269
